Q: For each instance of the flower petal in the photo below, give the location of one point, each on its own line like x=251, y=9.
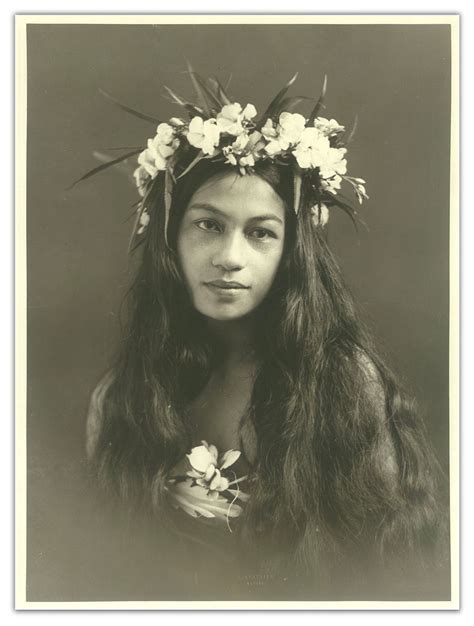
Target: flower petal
x=320, y=214
x=241, y=495
x=273, y=147
x=249, y=112
x=195, y=125
x=303, y=158
x=229, y=458
x=195, y=139
x=200, y=458
x=192, y=508
x=213, y=451
x=209, y=472
x=223, y=484
x=215, y=481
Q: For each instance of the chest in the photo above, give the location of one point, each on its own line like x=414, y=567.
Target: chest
x=217, y=413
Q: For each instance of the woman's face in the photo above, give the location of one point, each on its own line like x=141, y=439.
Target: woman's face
x=230, y=243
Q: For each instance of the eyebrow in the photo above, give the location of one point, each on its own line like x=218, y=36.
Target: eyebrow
x=214, y=209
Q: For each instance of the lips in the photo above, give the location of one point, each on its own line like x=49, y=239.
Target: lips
x=225, y=284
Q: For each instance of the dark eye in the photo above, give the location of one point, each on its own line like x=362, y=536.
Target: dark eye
x=262, y=233
x=208, y=225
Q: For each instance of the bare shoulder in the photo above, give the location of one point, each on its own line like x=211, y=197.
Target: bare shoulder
x=95, y=413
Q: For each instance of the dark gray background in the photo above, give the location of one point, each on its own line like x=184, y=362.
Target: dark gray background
x=396, y=78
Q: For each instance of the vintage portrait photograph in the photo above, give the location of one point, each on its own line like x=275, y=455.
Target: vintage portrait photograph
x=237, y=363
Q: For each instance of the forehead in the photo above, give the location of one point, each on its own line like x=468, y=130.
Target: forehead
x=237, y=195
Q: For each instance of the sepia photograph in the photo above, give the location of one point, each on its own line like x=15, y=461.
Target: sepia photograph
x=237, y=354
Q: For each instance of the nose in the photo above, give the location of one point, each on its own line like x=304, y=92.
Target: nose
x=230, y=252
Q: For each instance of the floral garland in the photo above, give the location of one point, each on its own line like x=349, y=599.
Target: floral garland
x=222, y=130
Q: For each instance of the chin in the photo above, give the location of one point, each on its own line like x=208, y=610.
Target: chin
x=223, y=315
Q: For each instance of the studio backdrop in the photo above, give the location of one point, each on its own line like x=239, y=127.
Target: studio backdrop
x=395, y=77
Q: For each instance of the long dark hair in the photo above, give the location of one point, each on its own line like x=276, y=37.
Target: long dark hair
x=342, y=463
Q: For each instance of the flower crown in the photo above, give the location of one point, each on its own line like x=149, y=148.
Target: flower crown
x=223, y=131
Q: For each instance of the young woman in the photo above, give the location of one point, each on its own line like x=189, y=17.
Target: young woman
x=248, y=410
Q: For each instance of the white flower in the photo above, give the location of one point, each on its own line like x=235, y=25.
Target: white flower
x=154, y=158
x=204, y=490
x=287, y=132
x=218, y=482
x=203, y=457
x=233, y=120
x=141, y=179
x=203, y=461
x=247, y=160
x=361, y=193
x=328, y=127
x=144, y=221
x=269, y=130
x=320, y=214
x=332, y=184
x=240, y=143
x=249, y=112
x=230, y=157
x=314, y=150
x=311, y=148
x=164, y=133
x=229, y=120
x=291, y=125
x=203, y=134
x=270, y=133
x=177, y=122
x=244, y=150
x=359, y=187
x=334, y=163
x=229, y=458
x=148, y=162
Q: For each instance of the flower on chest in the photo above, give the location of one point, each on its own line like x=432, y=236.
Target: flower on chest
x=208, y=488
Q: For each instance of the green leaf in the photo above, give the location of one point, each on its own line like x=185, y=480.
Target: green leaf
x=143, y=203
x=198, y=88
x=104, y=166
x=168, y=198
x=290, y=103
x=320, y=102
x=205, y=95
x=124, y=167
x=113, y=148
x=124, y=107
x=194, y=162
x=350, y=211
x=139, y=243
x=229, y=80
x=220, y=91
x=256, y=141
x=297, y=180
x=134, y=207
x=135, y=227
x=275, y=103
x=351, y=134
x=192, y=109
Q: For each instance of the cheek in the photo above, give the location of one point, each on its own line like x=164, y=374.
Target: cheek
x=272, y=262
x=191, y=258
x=266, y=268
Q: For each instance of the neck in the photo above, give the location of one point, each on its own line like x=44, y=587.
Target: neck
x=237, y=341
